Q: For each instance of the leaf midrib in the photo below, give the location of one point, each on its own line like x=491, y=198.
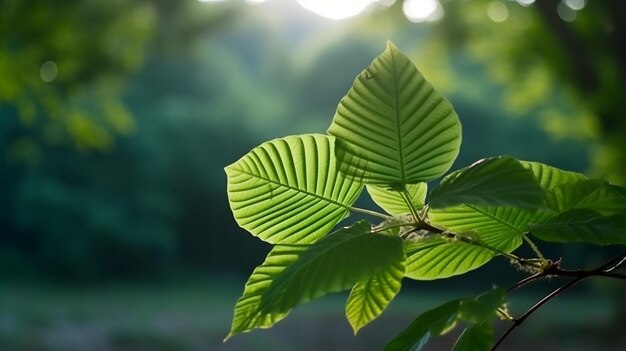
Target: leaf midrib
x=398, y=122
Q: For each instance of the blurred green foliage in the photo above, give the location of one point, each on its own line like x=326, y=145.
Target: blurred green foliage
x=114, y=168
x=564, y=66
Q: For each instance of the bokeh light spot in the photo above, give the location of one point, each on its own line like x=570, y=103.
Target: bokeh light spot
x=48, y=71
x=566, y=13
x=422, y=10
x=334, y=9
x=575, y=4
x=497, y=11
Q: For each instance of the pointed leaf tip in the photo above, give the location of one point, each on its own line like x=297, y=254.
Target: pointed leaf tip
x=395, y=129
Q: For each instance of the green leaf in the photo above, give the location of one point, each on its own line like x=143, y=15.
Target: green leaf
x=392, y=202
x=483, y=307
x=247, y=315
x=582, y=225
x=478, y=312
x=595, y=195
x=294, y=274
x=434, y=322
x=436, y=258
x=550, y=177
x=369, y=298
x=289, y=190
x=478, y=337
x=499, y=181
x=335, y=263
x=392, y=127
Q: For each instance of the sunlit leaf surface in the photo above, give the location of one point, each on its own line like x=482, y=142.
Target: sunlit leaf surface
x=500, y=181
x=392, y=202
x=369, y=298
x=289, y=190
x=393, y=127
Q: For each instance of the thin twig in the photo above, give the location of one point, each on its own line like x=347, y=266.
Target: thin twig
x=526, y=280
x=517, y=322
x=604, y=270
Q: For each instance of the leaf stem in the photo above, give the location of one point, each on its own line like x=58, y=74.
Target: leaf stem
x=407, y=199
x=533, y=247
x=369, y=212
x=382, y=228
x=470, y=241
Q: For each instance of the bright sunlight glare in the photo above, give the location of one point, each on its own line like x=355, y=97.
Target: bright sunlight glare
x=422, y=10
x=335, y=9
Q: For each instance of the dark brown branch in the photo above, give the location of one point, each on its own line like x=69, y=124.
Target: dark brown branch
x=604, y=270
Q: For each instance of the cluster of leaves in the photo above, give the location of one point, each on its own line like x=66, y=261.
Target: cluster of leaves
x=391, y=134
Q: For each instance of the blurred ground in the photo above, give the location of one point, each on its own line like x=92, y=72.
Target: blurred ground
x=195, y=316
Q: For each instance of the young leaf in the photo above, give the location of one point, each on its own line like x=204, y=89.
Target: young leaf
x=437, y=258
x=289, y=191
x=335, y=263
x=392, y=202
x=582, y=225
x=369, y=298
x=478, y=337
x=500, y=181
x=434, y=322
x=393, y=127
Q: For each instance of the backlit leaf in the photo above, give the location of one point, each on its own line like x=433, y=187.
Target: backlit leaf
x=392, y=127
x=483, y=307
x=369, y=298
x=289, y=190
x=595, y=195
x=436, y=258
x=478, y=337
x=247, y=315
x=392, y=202
x=295, y=274
x=550, y=177
x=582, y=225
x=433, y=322
x=500, y=181
x=335, y=263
